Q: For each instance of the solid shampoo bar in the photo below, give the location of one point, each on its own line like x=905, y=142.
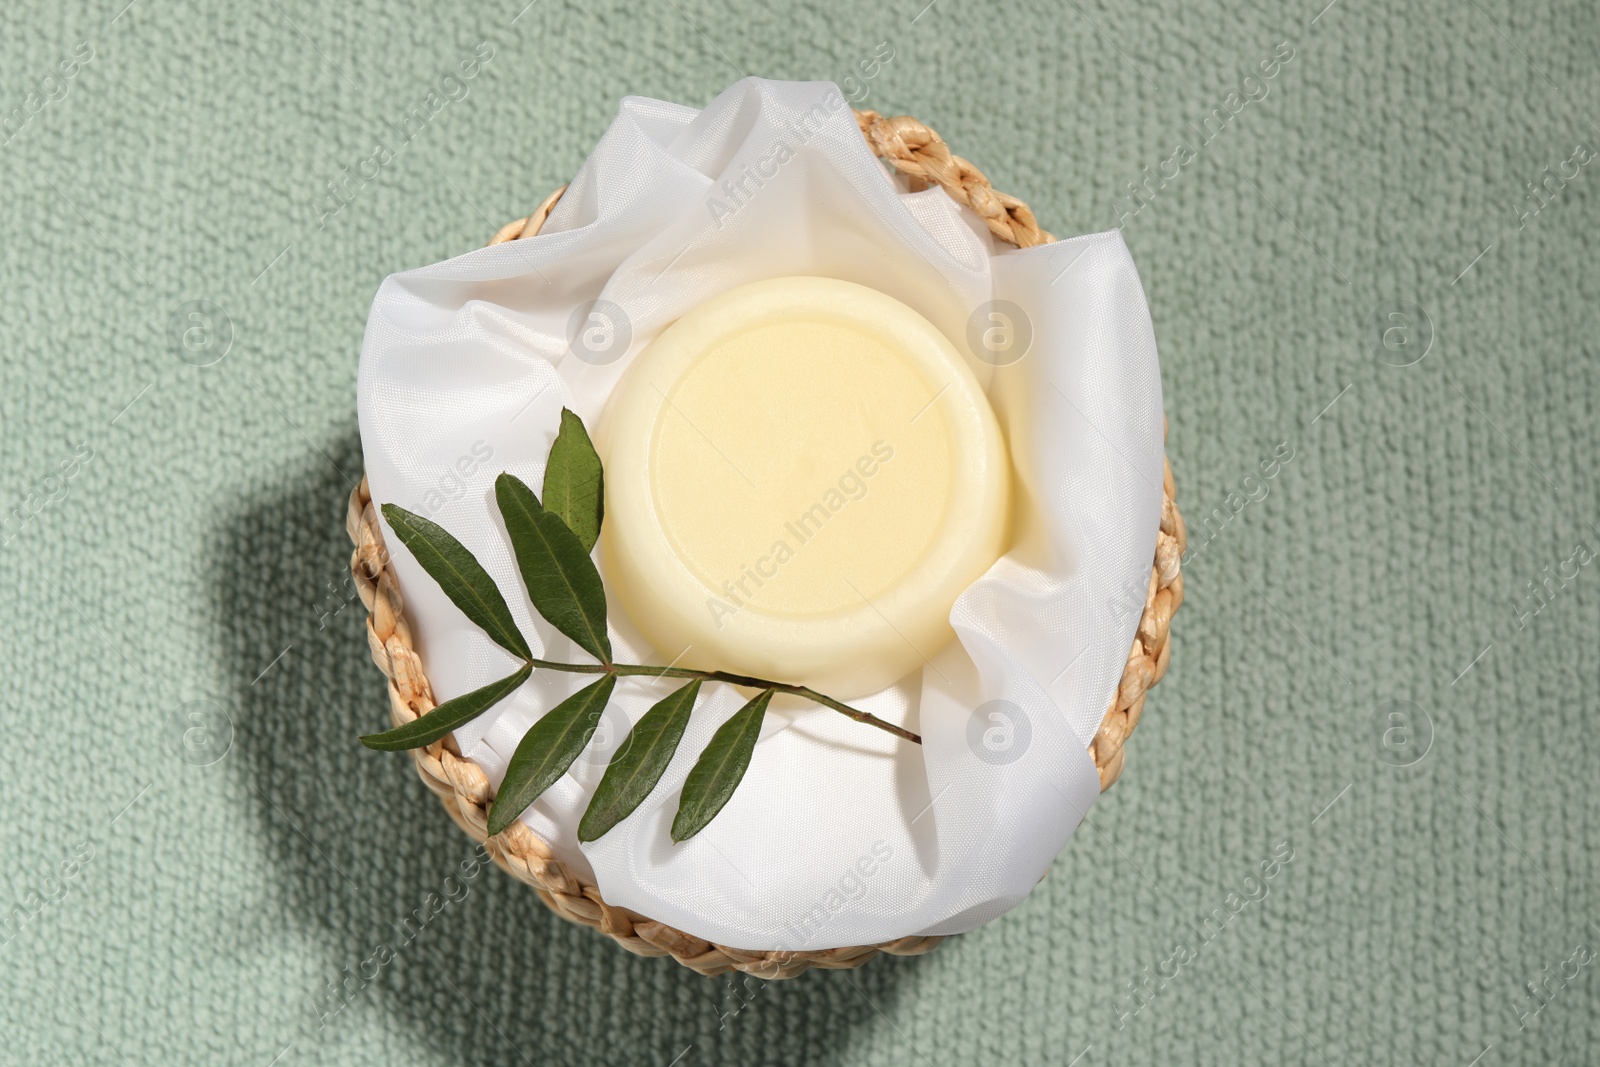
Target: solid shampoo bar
x=802, y=475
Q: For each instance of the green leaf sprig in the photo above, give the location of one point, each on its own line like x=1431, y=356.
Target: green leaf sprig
x=552, y=541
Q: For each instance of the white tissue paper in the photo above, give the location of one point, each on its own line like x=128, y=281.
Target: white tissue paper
x=839, y=834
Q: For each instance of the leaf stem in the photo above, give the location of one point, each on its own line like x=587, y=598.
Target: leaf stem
x=637, y=669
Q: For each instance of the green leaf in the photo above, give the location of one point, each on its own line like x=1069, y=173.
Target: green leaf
x=720, y=769
x=572, y=481
x=426, y=729
x=462, y=577
x=547, y=750
x=561, y=578
x=639, y=763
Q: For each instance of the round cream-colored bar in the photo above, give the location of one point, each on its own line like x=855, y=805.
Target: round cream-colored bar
x=802, y=475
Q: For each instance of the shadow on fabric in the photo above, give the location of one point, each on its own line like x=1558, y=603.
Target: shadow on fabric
x=480, y=972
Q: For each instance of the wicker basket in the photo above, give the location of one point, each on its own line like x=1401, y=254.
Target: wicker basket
x=917, y=152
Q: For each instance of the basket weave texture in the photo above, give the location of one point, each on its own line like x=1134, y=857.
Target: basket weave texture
x=918, y=152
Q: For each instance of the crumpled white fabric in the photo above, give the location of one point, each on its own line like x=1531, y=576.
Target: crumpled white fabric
x=840, y=834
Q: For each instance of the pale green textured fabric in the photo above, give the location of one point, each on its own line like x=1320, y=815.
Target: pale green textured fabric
x=197, y=549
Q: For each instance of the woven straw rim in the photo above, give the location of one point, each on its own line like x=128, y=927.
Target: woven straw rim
x=915, y=150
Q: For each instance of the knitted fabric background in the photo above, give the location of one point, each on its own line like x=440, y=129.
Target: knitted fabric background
x=1357, y=823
